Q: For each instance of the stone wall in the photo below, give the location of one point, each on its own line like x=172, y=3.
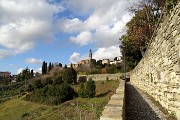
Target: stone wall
x=102, y=77
x=115, y=108
x=158, y=73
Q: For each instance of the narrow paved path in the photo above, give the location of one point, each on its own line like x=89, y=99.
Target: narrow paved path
x=136, y=107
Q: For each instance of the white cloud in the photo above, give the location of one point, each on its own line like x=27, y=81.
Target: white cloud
x=39, y=70
x=70, y=25
x=6, y=53
x=82, y=39
x=75, y=57
x=20, y=70
x=84, y=7
x=33, y=61
x=24, y=22
x=107, y=21
x=107, y=53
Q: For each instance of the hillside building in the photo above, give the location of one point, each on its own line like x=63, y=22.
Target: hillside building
x=5, y=74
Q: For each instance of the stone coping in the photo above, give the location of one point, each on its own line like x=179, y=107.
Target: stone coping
x=114, y=109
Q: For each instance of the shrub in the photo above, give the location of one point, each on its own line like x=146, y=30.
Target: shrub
x=52, y=94
x=30, y=88
x=69, y=75
x=57, y=80
x=37, y=84
x=111, y=69
x=25, y=114
x=82, y=79
x=107, y=79
x=82, y=91
x=47, y=81
x=95, y=71
x=89, y=90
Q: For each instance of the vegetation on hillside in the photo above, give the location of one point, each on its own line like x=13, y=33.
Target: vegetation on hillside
x=79, y=108
x=87, y=90
x=141, y=28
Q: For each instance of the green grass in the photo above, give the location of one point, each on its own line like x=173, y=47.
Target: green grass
x=89, y=108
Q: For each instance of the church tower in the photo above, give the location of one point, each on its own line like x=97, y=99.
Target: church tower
x=90, y=55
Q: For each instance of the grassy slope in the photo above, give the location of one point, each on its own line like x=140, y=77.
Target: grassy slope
x=18, y=109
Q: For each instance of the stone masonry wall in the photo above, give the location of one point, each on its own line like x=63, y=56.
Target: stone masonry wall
x=102, y=77
x=158, y=73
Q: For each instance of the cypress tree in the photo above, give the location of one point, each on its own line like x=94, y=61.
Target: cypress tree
x=46, y=68
x=65, y=67
x=32, y=73
x=52, y=65
x=49, y=67
x=43, y=68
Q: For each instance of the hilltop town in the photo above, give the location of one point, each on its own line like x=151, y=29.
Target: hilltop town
x=90, y=61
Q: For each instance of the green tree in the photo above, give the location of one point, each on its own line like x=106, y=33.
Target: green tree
x=44, y=68
x=52, y=66
x=65, y=66
x=82, y=91
x=140, y=30
x=60, y=65
x=49, y=67
x=32, y=73
x=69, y=75
x=89, y=90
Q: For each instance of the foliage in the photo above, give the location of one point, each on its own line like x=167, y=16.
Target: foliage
x=91, y=109
x=88, y=90
x=32, y=73
x=25, y=75
x=52, y=94
x=170, y=4
x=7, y=91
x=97, y=64
x=107, y=79
x=60, y=65
x=140, y=30
x=57, y=80
x=82, y=91
x=69, y=75
x=82, y=79
x=44, y=68
x=111, y=69
x=30, y=88
x=37, y=84
x=49, y=67
x=95, y=71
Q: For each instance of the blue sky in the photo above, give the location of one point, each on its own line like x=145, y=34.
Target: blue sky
x=33, y=31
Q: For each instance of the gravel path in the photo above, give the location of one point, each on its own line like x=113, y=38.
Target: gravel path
x=137, y=107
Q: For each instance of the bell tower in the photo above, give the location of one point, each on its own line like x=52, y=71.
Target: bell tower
x=90, y=55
